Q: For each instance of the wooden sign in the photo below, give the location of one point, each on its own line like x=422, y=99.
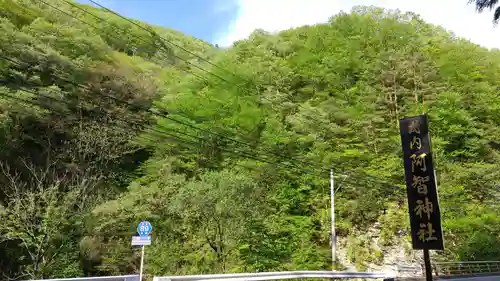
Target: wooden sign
x=423, y=203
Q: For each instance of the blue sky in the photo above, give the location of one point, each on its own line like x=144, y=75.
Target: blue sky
x=208, y=20
x=226, y=21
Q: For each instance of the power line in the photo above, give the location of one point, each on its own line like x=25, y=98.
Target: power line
x=182, y=142
x=156, y=131
x=241, y=154
x=280, y=155
x=138, y=107
x=161, y=133
x=95, y=16
x=366, y=178
x=160, y=114
x=165, y=115
x=136, y=24
x=170, y=42
x=160, y=47
x=115, y=36
x=138, y=37
x=85, y=87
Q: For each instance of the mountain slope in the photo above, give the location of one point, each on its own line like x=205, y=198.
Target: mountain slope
x=235, y=176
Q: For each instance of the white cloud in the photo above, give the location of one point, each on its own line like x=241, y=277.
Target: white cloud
x=276, y=15
x=222, y=6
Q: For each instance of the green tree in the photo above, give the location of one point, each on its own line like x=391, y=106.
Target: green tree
x=488, y=4
x=41, y=217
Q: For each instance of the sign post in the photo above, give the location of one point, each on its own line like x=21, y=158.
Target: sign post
x=421, y=187
x=144, y=229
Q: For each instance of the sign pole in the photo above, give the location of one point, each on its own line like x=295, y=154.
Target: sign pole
x=427, y=263
x=144, y=230
x=142, y=263
x=334, y=236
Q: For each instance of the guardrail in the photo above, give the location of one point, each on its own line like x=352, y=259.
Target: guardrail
x=408, y=270
x=440, y=269
x=100, y=278
x=465, y=268
x=263, y=276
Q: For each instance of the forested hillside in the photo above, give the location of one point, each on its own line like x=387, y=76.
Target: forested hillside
x=105, y=122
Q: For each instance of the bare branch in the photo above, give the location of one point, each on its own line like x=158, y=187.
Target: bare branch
x=8, y=278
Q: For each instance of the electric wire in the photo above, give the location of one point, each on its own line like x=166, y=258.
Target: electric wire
x=180, y=58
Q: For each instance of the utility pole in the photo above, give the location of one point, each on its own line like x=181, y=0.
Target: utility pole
x=332, y=215
x=334, y=236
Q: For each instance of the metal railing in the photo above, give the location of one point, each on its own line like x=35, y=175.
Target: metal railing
x=407, y=270
x=100, y=278
x=262, y=276
x=449, y=269
x=440, y=269
x=465, y=268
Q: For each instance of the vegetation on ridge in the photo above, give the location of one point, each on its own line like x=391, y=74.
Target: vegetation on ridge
x=99, y=130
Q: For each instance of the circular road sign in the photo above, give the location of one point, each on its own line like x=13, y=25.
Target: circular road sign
x=144, y=228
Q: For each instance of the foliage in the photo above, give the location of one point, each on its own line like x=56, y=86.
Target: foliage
x=103, y=124
x=488, y=4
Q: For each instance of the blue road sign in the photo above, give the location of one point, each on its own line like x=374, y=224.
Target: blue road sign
x=144, y=228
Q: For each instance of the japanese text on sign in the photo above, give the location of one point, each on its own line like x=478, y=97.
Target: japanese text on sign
x=425, y=217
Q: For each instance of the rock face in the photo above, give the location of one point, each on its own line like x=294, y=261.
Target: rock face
x=398, y=257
